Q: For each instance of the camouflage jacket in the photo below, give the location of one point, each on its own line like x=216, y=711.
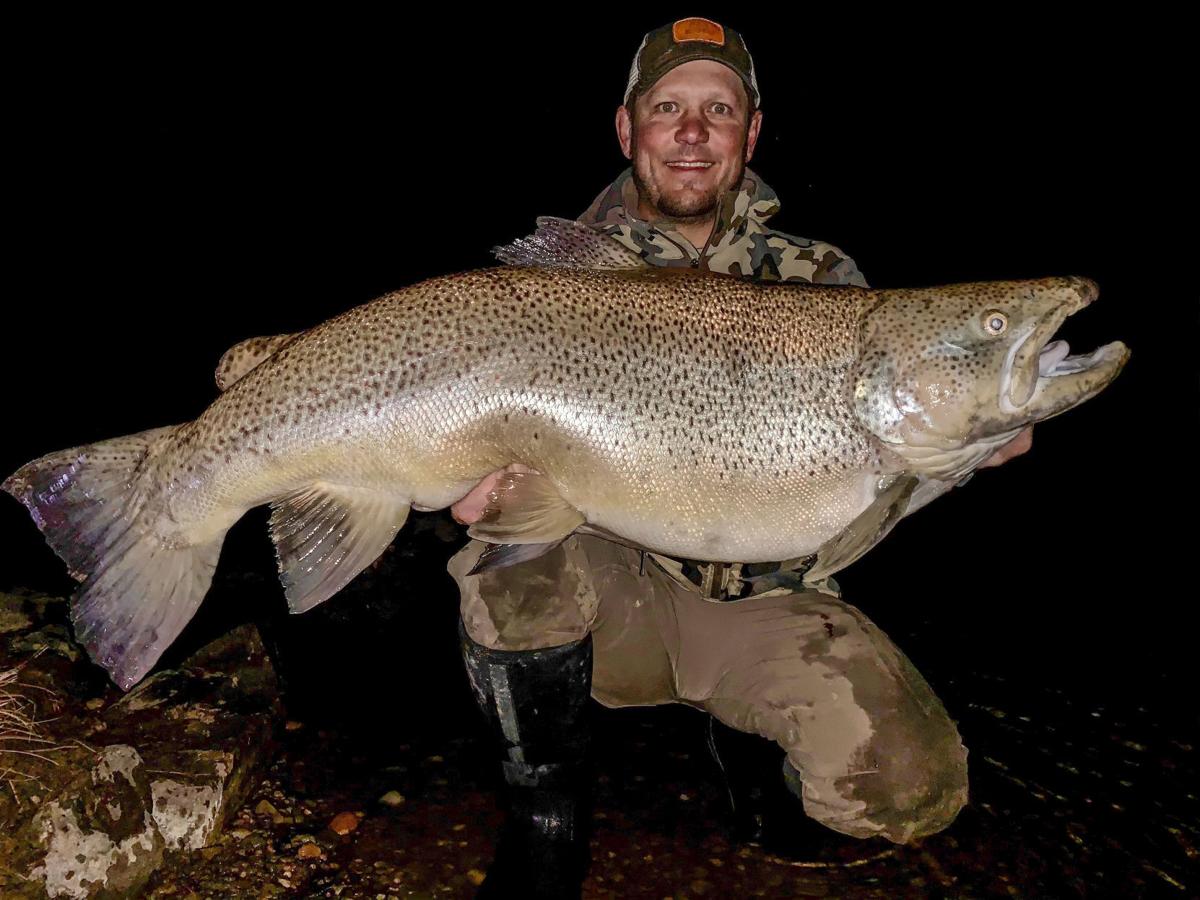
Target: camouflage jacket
x=740, y=244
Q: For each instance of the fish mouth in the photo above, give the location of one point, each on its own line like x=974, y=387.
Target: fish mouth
x=1055, y=360
x=1043, y=378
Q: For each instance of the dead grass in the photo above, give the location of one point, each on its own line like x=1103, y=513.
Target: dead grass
x=22, y=735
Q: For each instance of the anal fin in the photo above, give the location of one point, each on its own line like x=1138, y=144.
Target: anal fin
x=326, y=534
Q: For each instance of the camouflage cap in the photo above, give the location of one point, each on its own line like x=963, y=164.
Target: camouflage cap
x=672, y=45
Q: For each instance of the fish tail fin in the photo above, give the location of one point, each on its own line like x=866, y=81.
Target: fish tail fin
x=138, y=589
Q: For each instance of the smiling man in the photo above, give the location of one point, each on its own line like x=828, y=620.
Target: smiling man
x=860, y=737
x=689, y=123
x=695, y=132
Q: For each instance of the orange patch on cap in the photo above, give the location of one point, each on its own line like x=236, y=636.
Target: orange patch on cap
x=698, y=30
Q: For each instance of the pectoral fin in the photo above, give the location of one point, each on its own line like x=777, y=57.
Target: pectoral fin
x=525, y=508
x=871, y=526
x=527, y=516
x=929, y=489
x=326, y=534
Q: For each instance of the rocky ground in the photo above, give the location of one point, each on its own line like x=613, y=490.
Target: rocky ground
x=97, y=787
x=1068, y=802
x=375, y=782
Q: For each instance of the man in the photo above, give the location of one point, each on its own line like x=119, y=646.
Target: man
x=868, y=747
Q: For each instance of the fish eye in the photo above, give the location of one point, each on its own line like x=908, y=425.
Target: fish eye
x=995, y=322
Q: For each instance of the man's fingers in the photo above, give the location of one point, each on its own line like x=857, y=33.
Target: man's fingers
x=1018, y=445
x=468, y=510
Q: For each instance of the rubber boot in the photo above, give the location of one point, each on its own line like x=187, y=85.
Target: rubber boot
x=764, y=792
x=535, y=702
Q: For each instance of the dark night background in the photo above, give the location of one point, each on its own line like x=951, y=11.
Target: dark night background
x=170, y=195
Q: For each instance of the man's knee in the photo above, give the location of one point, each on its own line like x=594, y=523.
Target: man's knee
x=871, y=749
x=902, y=786
x=544, y=602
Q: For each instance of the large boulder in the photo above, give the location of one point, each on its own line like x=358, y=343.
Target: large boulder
x=94, y=795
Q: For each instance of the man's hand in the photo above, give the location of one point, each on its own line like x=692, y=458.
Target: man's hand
x=1018, y=445
x=468, y=510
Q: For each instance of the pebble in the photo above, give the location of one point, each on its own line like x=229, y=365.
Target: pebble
x=293, y=725
x=266, y=808
x=392, y=798
x=343, y=823
x=309, y=851
x=475, y=876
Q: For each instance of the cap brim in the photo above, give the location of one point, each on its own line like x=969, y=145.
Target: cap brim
x=645, y=82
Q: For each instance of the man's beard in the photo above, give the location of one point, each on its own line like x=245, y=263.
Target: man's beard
x=686, y=209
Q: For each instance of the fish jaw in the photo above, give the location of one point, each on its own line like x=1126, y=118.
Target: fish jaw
x=1044, y=380
x=1022, y=368
x=943, y=392
x=1068, y=381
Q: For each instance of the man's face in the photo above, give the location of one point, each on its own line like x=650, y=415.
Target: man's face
x=688, y=139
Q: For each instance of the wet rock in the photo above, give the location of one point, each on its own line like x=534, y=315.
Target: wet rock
x=206, y=728
x=93, y=832
x=52, y=638
x=13, y=616
x=119, y=781
x=343, y=823
x=392, y=798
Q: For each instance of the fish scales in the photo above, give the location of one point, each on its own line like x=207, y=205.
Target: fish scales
x=697, y=401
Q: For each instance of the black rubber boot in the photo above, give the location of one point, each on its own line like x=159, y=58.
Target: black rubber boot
x=535, y=702
x=764, y=793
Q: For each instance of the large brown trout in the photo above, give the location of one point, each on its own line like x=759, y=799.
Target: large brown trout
x=694, y=415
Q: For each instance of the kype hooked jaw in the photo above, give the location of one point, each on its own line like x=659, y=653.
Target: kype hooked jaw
x=1042, y=380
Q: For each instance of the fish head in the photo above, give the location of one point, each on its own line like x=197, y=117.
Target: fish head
x=946, y=375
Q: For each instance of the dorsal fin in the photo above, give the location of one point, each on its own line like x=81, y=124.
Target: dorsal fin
x=241, y=358
x=563, y=243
